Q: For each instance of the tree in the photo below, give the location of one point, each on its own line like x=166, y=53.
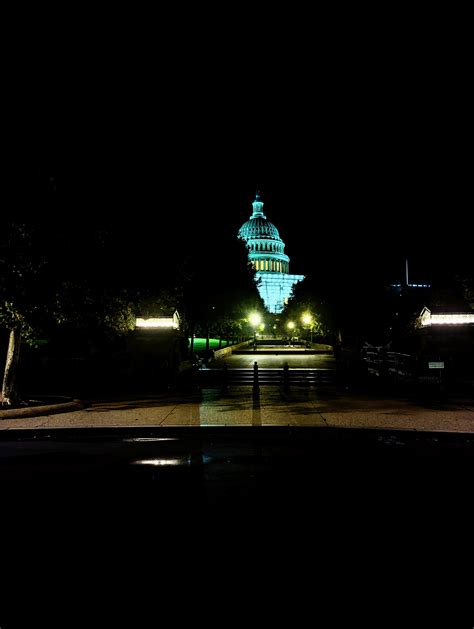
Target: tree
x=466, y=283
x=307, y=298
x=41, y=291
x=21, y=297
x=217, y=298
x=56, y=271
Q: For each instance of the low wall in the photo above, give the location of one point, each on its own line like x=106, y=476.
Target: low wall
x=226, y=351
x=283, y=351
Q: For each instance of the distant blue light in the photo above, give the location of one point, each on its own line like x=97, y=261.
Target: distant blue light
x=411, y=285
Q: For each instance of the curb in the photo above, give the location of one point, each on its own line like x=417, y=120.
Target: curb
x=47, y=409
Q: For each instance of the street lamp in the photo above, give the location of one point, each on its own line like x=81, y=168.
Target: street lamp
x=307, y=319
x=255, y=321
x=291, y=326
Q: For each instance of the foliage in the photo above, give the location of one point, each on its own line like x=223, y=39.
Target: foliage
x=21, y=269
x=83, y=305
x=58, y=272
x=307, y=298
x=466, y=283
x=218, y=299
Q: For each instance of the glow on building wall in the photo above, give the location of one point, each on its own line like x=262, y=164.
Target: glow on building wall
x=428, y=319
x=266, y=252
x=157, y=322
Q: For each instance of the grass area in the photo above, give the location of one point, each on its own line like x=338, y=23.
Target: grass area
x=200, y=344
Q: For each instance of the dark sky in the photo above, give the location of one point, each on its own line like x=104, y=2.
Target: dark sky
x=350, y=203
x=361, y=147
x=351, y=196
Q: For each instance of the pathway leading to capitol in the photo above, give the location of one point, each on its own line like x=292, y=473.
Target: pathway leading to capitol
x=276, y=360
x=271, y=365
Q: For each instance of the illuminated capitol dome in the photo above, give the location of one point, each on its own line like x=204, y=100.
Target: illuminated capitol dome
x=267, y=255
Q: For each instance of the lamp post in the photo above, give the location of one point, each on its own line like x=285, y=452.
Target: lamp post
x=291, y=326
x=309, y=321
x=255, y=320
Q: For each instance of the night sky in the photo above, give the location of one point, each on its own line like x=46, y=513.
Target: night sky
x=348, y=211
x=349, y=199
x=361, y=154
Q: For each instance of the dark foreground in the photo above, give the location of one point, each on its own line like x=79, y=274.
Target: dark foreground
x=218, y=511
x=303, y=476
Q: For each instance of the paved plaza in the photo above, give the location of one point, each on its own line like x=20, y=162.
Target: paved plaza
x=238, y=407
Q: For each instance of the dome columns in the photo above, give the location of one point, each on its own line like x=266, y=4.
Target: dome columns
x=270, y=264
x=271, y=246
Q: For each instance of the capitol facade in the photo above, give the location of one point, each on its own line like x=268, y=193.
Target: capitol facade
x=266, y=251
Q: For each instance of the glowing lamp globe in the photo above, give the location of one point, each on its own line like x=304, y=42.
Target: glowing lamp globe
x=255, y=319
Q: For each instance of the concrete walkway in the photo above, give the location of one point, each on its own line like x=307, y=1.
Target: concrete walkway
x=304, y=407
x=277, y=361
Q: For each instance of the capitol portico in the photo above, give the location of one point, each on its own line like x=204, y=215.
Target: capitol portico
x=266, y=251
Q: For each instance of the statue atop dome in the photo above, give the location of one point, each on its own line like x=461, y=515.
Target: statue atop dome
x=258, y=206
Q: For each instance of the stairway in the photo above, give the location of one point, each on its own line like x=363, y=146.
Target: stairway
x=242, y=377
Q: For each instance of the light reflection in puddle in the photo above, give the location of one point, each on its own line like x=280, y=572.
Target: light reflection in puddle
x=141, y=439
x=160, y=462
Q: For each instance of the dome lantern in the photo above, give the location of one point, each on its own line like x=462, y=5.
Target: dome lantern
x=258, y=207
